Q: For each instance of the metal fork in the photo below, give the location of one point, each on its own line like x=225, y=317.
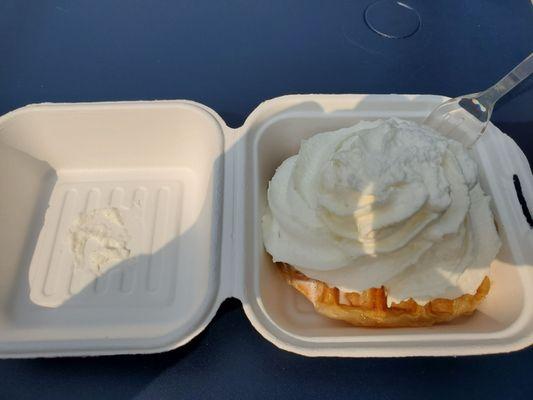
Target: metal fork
x=465, y=118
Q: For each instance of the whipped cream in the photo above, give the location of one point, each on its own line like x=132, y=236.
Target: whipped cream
x=384, y=203
x=99, y=240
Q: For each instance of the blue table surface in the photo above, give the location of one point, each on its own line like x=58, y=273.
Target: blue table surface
x=231, y=55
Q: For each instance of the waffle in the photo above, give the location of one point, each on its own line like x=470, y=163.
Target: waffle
x=370, y=309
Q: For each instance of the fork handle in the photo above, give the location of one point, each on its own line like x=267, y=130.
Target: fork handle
x=490, y=96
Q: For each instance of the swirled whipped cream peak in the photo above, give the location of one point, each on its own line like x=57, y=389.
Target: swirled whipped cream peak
x=385, y=203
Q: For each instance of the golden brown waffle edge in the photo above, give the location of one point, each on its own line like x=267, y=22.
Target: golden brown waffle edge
x=369, y=308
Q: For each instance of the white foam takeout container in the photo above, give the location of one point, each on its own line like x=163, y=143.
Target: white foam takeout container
x=201, y=187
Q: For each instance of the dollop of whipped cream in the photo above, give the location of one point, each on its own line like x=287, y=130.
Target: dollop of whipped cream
x=386, y=203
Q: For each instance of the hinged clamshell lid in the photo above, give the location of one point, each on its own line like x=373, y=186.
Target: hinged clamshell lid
x=110, y=226
x=124, y=225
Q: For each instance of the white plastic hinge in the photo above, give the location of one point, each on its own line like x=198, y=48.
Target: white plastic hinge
x=232, y=251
